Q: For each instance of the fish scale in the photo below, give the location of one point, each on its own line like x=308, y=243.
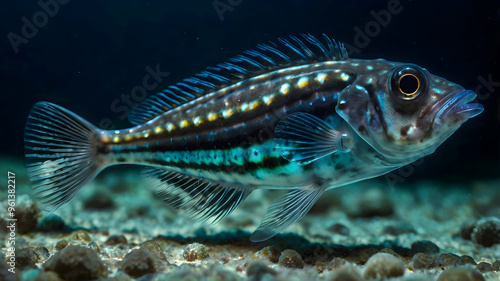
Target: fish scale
x=299, y=115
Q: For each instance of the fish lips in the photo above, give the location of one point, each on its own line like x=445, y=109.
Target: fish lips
x=455, y=105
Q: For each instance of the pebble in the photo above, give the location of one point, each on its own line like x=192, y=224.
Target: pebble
x=27, y=213
x=257, y=269
x=339, y=229
x=291, y=259
x=41, y=253
x=138, y=263
x=99, y=201
x=61, y=245
x=496, y=265
x=270, y=253
x=154, y=249
x=397, y=230
x=422, y=261
x=81, y=235
x=468, y=260
x=487, y=232
x=460, y=274
x=448, y=259
x=25, y=257
x=76, y=263
x=5, y=275
x=467, y=228
x=424, y=246
x=383, y=265
x=51, y=223
x=195, y=252
x=93, y=245
x=371, y=203
x=115, y=240
x=345, y=273
x=484, y=267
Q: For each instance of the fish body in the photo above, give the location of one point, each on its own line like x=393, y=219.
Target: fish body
x=303, y=117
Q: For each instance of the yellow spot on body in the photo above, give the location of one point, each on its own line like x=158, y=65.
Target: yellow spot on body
x=158, y=130
x=212, y=117
x=254, y=105
x=196, y=120
x=116, y=139
x=183, y=124
x=105, y=139
x=129, y=137
x=285, y=88
x=303, y=82
x=170, y=127
x=344, y=76
x=244, y=106
x=146, y=135
x=321, y=77
x=227, y=113
x=268, y=99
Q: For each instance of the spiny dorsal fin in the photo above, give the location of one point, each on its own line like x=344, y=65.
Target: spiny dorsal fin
x=250, y=63
x=196, y=198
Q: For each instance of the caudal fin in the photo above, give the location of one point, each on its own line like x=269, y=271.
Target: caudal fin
x=60, y=149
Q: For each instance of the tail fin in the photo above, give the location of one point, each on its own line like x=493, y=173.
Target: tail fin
x=60, y=149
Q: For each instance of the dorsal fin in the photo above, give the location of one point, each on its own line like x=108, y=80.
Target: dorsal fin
x=266, y=57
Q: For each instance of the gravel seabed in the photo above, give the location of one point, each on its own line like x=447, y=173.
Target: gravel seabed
x=333, y=242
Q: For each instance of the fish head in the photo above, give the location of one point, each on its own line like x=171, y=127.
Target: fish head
x=403, y=111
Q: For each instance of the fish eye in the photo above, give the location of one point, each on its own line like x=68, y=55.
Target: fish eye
x=408, y=82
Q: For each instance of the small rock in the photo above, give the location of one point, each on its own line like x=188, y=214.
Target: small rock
x=195, y=252
x=27, y=213
x=41, y=253
x=468, y=260
x=399, y=229
x=448, y=259
x=99, y=201
x=460, y=274
x=422, y=261
x=496, y=265
x=5, y=275
x=372, y=203
x=76, y=263
x=270, y=253
x=256, y=270
x=424, y=246
x=345, y=273
x=484, y=267
x=61, y=245
x=339, y=229
x=382, y=265
x=138, y=263
x=93, y=245
x=291, y=259
x=154, y=249
x=487, y=232
x=81, y=235
x=467, y=228
x=337, y=263
x=51, y=223
x=25, y=257
x=116, y=240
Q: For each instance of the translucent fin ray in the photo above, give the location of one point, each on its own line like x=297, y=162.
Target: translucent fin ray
x=249, y=63
x=286, y=211
x=196, y=198
x=60, y=150
x=303, y=138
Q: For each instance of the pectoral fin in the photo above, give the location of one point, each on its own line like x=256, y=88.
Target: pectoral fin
x=286, y=211
x=303, y=138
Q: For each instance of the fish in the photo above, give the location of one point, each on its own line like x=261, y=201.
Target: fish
x=299, y=115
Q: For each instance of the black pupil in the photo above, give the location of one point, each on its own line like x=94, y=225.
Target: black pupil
x=408, y=84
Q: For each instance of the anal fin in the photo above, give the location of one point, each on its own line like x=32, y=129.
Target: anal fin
x=197, y=198
x=286, y=211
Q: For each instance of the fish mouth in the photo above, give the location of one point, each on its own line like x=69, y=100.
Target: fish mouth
x=455, y=104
